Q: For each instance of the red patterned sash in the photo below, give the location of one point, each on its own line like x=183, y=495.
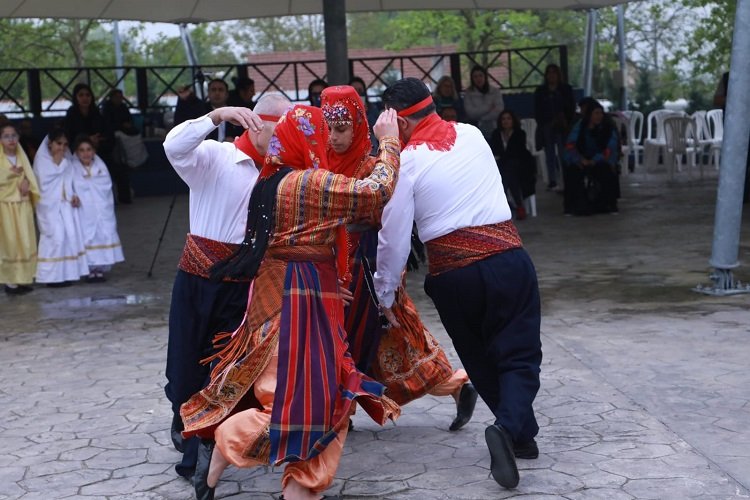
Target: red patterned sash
x=201, y=253
x=471, y=244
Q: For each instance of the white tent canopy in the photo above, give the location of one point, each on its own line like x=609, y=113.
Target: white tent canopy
x=195, y=11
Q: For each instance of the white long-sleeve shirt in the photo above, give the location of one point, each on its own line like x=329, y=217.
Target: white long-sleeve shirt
x=442, y=191
x=220, y=177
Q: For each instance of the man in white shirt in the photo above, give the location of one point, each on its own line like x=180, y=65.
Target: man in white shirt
x=221, y=176
x=481, y=280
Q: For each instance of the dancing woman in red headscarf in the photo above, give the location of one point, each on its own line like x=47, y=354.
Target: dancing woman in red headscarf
x=407, y=359
x=284, y=384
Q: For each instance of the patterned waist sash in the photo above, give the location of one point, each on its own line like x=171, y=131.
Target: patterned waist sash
x=301, y=253
x=471, y=244
x=201, y=253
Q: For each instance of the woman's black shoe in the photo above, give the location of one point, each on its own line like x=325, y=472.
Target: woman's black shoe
x=200, y=478
x=18, y=290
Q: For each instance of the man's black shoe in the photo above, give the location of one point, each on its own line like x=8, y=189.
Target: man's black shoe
x=18, y=290
x=527, y=450
x=502, y=462
x=200, y=478
x=467, y=400
x=176, y=433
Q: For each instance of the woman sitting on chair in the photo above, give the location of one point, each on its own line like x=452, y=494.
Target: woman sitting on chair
x=591, y=157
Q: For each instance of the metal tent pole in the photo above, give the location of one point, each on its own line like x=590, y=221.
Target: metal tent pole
x=118, y=56
x=726, y=241
x=187, y=42
x=588, y=72
x=623, y=60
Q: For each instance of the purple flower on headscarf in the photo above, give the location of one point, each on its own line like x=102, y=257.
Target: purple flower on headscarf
x=274, y=146
x=305, y=126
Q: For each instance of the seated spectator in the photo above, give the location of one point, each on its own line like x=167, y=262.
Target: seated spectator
x=372, y=110
x=62, y=254
x=482, y=102
x=448, y=113
x=243, y=93
x=516, y=164
x=27, y=140
x=188, y=105
x=83, y=117
x=446, y=96
x=116, y=113
x=218, y=95
x=93, y=185
x=590, y=165
x=18, y=194
x=314, y=90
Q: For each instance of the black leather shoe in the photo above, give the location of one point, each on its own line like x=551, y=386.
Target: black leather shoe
x=502, y=461
x=200, y=478
x=527, y=450
x=18, y=290
x=467, y=400
x=176, y=434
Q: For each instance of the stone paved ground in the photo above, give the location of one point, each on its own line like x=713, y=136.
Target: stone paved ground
x=644, y=383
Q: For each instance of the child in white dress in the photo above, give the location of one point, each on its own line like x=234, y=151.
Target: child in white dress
x=93, y=185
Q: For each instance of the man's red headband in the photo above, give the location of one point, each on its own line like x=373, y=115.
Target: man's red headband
x=416, y=107
x=269, y=118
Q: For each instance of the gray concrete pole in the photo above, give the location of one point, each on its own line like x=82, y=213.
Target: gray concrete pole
x=726, y=242
x=623, y=60
x=337, y=55
x=118, y=56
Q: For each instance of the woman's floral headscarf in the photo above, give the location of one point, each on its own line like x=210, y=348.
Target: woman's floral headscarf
x=342, y=105
x=299, y=141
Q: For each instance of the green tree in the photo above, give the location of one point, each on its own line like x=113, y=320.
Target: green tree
x=281, y=34
x=709, y=45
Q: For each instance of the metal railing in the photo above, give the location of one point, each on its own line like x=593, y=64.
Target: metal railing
x=47, y=91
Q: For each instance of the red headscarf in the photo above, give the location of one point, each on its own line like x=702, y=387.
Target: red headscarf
x=342, y=105
x=299, y=141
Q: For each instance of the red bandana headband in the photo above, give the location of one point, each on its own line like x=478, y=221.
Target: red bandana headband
x=416, y=107
x=269, y=118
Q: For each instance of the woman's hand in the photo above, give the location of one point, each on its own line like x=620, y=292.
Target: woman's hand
x=388, y=313
x=387, y=125
x=346, y=294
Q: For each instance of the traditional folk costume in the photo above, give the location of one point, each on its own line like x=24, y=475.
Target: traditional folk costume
x=93, y=185
x=408, y=360
x=62, y=253
x=288, y=361
x=18, y=250
x=220, y=176
x=481, y=280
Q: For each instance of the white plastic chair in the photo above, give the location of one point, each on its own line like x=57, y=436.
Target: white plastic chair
x=680, y=142
x=702, y=134
x=529, y=126
x=621, y=124
x=655, y=142
x=635, y=137
x=715, y=119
